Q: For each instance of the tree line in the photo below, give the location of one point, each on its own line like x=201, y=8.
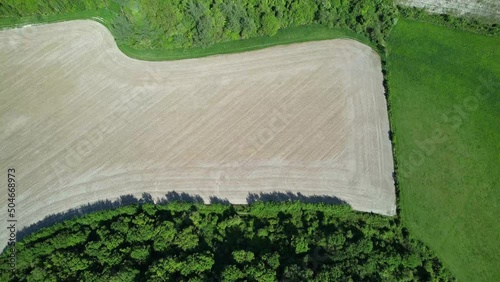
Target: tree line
x=179, y=241
x=159, y=24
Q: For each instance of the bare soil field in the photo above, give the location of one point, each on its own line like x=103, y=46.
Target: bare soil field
x=81, y=122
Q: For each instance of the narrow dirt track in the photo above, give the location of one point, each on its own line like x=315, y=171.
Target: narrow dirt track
x=81, y=122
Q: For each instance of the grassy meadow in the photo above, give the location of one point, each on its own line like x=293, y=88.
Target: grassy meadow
x=445, y=111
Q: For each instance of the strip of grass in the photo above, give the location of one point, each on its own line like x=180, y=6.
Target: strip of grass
x=445, y=102
x=104, y=14
x=289, y=35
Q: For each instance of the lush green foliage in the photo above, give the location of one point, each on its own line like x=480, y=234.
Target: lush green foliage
x=196, y=242
x=284, y=36
x=158, y=24
x=444, y=94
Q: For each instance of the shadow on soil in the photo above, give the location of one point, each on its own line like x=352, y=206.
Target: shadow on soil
x=125, y=200
x=289, y=196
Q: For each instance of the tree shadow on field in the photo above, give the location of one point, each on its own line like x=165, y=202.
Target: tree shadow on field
x=217, y=200
x=180, y=197
x=172, y=196
x=123, y=200
x=101, y=205
x=289, y=196
x=187, y=198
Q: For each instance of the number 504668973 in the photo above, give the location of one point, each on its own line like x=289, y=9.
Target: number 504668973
x=11, y=187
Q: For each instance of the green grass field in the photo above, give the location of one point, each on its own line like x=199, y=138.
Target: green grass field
x=445, y=102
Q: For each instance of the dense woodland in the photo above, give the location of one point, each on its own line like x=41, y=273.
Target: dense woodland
x=194, y=242
x=157, y=24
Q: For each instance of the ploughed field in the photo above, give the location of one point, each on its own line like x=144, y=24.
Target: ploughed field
x=81, y=122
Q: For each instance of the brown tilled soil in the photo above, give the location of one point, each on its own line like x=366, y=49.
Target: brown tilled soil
x=81, y=122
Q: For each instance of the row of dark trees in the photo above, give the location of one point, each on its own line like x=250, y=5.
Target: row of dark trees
x=194, y=242
x=160, y=24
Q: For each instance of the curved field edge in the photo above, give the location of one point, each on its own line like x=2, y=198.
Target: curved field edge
x=444, y=87
x=263, y=241
x=289, y=35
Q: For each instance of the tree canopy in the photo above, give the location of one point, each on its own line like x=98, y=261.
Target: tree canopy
x=194, y=242
x=160, y=24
